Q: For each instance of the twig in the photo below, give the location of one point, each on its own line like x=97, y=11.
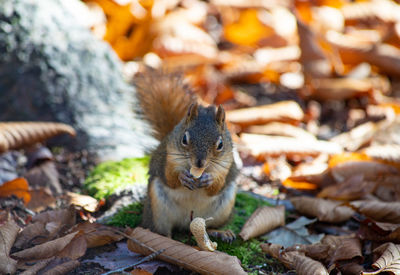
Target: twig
x=145, y=259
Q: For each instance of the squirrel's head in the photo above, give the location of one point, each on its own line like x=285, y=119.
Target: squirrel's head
x=204, y=139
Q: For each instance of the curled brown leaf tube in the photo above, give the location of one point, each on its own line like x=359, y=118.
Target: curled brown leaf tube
x=14, y=135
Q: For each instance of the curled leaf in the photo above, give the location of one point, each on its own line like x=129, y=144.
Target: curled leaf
x=8, y=233
x=389, y=261
x=348, y=169
x=203, y=262
x=281, y=111
x=302, y=264
x=263, y=220
x=86, y=202
x=18, y=187
x=324, y=210
x=262, y=146
x=378, y=210
x=198, y=229
x=280, y=129
x=45, y=250
x=356, y=137
x=272, y=249
x=15, y=135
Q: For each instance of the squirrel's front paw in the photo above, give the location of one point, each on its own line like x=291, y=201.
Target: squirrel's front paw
x=187, y=180
x=204, y=181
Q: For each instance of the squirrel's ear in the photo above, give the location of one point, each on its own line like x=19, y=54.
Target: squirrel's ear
x=220, y=116
x=192, y=112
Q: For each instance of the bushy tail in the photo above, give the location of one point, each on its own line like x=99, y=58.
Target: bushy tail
x=164, y=100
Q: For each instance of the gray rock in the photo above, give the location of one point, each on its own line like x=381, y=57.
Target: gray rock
x=53, y=69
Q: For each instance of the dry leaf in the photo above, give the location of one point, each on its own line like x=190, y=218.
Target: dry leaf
x=8, y=233
x=198, y=229
x=62, y=268
x=37, y=267
x=384, y=11
x=272, y=249
x=302, y=264
x=280, y=129
x=301, y=185
x=381, y=232
x=316, y=251
x=356, y=137
x=389, y=261
x=349, y=249
x=263, y=146
x=352, y=188
x=248, y=30
x=86, y=202
x=314, y=60
x=44, y=175
x=18, y=187
x=45, y=250
x=277, y=168
x=387, y=152
x=15, y=135
x=65, y=217
x=36, y=233
x=41, y=199
x=340, y=88
x=97, y=234
x=75, y=249
x=369, y=169
x=263, y=220
x=285, y=111
x=203, y=262
x=312, y=172
x=324, y=210
x=378, y=210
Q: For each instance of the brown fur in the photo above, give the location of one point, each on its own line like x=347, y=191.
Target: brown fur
x=167, y=102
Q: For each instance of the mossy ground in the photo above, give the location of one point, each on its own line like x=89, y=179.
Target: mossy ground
x=110, y=176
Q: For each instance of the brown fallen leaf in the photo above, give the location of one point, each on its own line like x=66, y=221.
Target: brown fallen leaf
x=389, y=260
x=41, y=199
x=15, y=135
x=387, y=152
x=302, y=264
x=272, y=249
x=377, y=231
x=97, y=234
x=18, y=187
x=314, y=60
x=8, y=233
x=313, y=172
x=349, y=249
x=62, y=268
x=356, y=137
x=263, y=146
x=340, y=88
x=45, y=250
x=65, y=217
x=263, y=220
x=315, y=251
x=378, y=210
x=280, y=129
x=284, y=111
x=203, y=262
x=86, y=202
x=324, y=210
x=353, y=188
x=33, y=270
x=345, y=170
x=34, y=234
x=44, y=175
x=74, y=249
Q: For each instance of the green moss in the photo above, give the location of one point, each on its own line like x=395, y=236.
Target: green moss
x=111, y=176
x=130, y=215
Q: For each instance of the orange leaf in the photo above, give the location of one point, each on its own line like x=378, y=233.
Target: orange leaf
x=18, y=187
x=345, y=157
x=299, y=184
x=248, y=30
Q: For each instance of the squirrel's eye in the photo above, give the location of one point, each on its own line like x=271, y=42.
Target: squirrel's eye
x=185, y=139
x=220, y=144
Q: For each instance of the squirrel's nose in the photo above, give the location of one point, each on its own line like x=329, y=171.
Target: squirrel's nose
x=200, y=163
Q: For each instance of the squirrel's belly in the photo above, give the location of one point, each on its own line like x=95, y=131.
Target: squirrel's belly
x=185, y=201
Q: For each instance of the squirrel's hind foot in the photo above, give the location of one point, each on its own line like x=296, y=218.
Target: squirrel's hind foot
x=224, y=235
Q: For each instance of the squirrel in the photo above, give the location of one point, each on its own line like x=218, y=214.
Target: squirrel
x=192, y=171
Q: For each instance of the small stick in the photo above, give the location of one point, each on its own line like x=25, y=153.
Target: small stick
x=145, y=259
